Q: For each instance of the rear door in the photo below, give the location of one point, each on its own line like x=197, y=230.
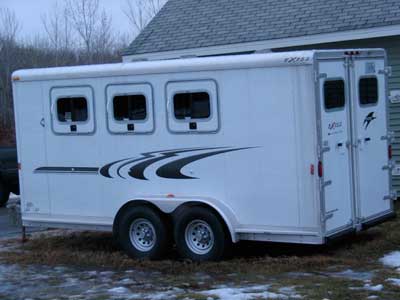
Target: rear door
x=372, y=175
x=335, y=129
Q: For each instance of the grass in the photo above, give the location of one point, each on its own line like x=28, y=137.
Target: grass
x=252, y=262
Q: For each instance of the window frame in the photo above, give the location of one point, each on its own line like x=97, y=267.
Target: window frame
x=116, y=127
x=192, y=119
x=130, y=121
x=87, y=127
x=341, y=108
x=211, y=125
x=359, y=90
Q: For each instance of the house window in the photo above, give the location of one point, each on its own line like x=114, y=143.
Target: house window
x=72, y=110
x=368, y=89
x=334, y=94
x=130, y=108
x=192, y=105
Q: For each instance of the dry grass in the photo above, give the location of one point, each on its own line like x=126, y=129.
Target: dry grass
x=88, y=249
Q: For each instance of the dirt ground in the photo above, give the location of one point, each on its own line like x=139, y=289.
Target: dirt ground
x=87, y=265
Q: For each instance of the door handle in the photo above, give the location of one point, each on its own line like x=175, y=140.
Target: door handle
x=367, y=139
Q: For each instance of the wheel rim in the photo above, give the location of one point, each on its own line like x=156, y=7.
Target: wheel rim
x=199, y=237
x=143, y=235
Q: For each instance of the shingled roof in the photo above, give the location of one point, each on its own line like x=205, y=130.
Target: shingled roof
x=185, y=24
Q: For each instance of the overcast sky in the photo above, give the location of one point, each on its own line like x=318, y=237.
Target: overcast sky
x=29, y=14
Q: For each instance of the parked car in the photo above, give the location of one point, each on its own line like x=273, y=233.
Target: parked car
x=8, y=174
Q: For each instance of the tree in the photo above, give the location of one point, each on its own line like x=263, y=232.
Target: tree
x=141, y=12
x=9, y=28
x=9, y=25
x=58, y=29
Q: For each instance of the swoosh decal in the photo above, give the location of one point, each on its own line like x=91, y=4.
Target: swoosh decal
x=173, y=169
x=105, y=171
x=138, y=170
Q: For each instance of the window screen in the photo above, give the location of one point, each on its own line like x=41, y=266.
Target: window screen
x=72, y=109
x=334, y=94
x=192, y=106
x=368, y=89
x=130, y=108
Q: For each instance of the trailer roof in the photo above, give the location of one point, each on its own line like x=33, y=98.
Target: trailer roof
x=168, y=66
x=294, y=58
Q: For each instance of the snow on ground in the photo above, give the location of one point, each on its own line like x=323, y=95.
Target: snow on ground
x=391, y=260
x=394, y=281
x=353, y=275
x=248, y=293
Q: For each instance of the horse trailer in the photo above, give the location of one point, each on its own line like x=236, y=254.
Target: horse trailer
x=204, y=152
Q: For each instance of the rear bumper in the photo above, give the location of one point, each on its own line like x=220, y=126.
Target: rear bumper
x=378, y=220
x=364, y=226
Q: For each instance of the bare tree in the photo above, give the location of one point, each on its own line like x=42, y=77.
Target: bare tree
x=58, y=30
x=9, y=25
x=9, y=28
x=84, y=16
x=141, y=12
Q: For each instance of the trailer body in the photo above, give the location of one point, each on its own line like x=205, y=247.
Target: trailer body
x=285, y=147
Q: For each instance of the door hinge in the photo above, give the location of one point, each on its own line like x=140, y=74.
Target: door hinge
x=390, y=166
x=329, y=215
x=386, y=71
x=326, y=183
x=319, y=76
x=389, y=137
x=392, y=196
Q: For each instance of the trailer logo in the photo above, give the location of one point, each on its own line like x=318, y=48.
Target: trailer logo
x=135, y=167
x=334, y=125
x=368, y=119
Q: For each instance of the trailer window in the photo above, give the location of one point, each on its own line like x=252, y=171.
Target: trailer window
x=192, y=105
x=130, y=108
x=72, y=110
x=368, y=89
x=334, y=94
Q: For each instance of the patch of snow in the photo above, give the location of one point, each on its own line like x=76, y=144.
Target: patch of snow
x=119, y=290
x=394, y=281
x=350, y=274
x=13, y=196
x=374, y=288
x=247, y=293
x=372, y=297
x=391, y=260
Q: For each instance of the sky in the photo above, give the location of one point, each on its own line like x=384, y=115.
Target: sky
x=29, y=14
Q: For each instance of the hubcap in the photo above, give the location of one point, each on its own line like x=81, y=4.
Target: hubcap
x=199, y=237
x=143, y=235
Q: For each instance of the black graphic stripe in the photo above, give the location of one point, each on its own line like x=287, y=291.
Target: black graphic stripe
x=173, y=169
x=67, y=170
x=105, y=171
x=138, y=170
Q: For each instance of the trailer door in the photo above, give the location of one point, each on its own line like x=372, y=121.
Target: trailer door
x=370, y=123
x=335, y=156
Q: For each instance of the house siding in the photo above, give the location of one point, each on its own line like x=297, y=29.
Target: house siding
x=392, y=46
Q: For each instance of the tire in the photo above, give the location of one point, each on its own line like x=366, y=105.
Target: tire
x=199, y=222
x=4, y=195
x=143, y=234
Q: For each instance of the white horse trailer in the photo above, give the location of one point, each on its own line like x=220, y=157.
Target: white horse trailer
x=284, y=147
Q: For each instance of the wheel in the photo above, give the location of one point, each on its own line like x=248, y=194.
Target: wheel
x=200, y=235
x=143, y=234
x=4, y=194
